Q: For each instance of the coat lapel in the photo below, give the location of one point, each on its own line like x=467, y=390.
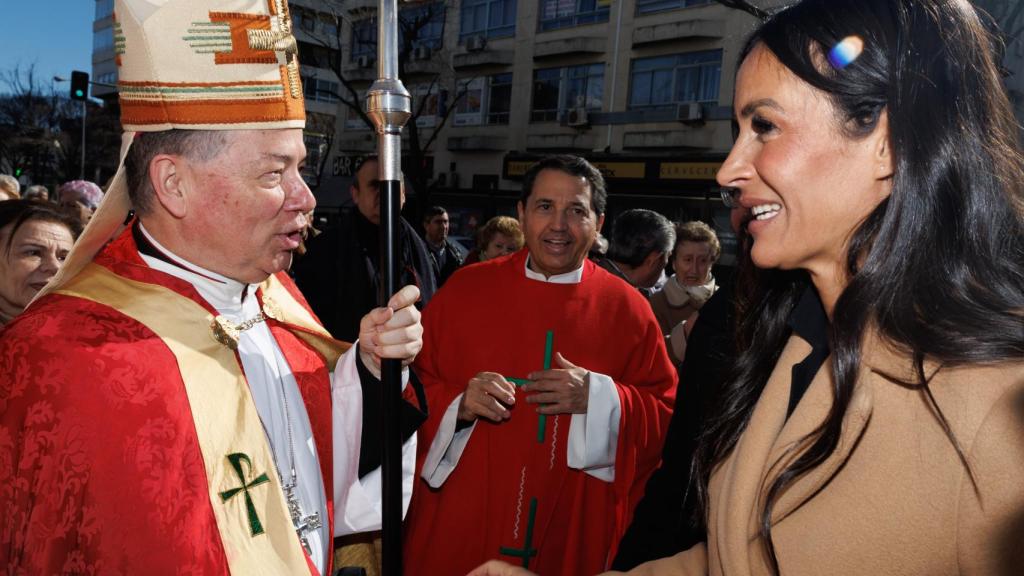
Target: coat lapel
x=768, y=444
x=737, y=484
x=810, y=413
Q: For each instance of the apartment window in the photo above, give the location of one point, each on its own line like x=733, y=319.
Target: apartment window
x=329, y=25
x=652, y=6
x=666, y=80
x=303, y=19
x=427, y=95
x=318, y=56
x=364, y=38
x=487, y=101
x=555, y=90
x=104, y=8
x=424, y=23
x=316, y=145
x=107, y=78
x=319, y=90
x=490, y=18
x=564, y=13
x=352, y=119
x=103, y=40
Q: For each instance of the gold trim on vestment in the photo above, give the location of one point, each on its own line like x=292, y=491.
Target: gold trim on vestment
x=225, y=417
x=277, y=301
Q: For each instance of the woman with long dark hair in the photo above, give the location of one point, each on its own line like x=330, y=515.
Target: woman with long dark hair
x=874, y=422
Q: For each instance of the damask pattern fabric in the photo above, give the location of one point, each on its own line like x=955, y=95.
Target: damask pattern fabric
x=100, y=467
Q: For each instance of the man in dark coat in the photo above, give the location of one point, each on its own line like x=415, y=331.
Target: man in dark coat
x=667, y=519
x=444, y=254
x=638, y=249
x=339, y=273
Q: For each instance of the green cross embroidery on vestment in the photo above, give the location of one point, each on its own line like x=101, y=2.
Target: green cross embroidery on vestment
x=526, y=552
x=236, y=460
x=542, y=421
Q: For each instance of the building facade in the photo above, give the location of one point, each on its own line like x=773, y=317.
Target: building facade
x=641, y=88
x=104, y=65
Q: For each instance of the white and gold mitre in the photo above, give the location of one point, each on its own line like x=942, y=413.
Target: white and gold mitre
x=194, y=65
x=207, y=64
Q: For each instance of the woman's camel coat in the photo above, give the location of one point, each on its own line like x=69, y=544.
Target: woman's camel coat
x=894, y=497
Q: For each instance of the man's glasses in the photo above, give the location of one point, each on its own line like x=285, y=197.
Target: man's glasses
x=730, y=197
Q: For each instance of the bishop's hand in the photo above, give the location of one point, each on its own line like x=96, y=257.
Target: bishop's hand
x=564, y=390
x=393, y=332
x=487, y=395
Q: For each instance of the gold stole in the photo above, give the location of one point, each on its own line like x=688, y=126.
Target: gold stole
x=245, y=492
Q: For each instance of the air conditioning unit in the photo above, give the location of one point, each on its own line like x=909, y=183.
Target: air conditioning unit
x=577, y=117
x=690, y=112
x=476, y=43
x=421, y=53
x=364, y=61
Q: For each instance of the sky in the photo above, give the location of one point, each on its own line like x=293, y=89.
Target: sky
x=55, y=35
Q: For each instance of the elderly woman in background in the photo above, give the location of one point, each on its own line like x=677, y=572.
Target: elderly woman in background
x=10, y=188
x=677, y=303
x=35, y=238
x=500, y=236
x=872, y=423
x=37, y=192
x=80, y=197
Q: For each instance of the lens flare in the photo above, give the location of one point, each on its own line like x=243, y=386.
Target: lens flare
x=845, y=52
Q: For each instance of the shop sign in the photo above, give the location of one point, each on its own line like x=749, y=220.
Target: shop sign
x=689, y=170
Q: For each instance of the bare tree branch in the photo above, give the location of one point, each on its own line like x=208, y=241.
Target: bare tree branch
x=459, y=95
x=747, y=7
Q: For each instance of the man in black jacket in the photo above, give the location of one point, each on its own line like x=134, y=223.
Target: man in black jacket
x=445, y=256
x=667, y=520
x=339, y=273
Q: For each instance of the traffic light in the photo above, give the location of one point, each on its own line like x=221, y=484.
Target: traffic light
x=79, y=85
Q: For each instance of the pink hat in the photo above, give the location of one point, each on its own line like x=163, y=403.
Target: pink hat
x=88, y=192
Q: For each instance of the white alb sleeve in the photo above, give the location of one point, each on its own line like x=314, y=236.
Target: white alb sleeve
x=357, y=502
x=594, y=436
x=447, y=447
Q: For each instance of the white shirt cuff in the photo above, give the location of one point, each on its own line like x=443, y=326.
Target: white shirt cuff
x=447, y=447
x=357, y=502
x=594, y=436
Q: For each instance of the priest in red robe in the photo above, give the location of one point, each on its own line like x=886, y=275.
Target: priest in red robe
x=551, y=391
x=169, y=404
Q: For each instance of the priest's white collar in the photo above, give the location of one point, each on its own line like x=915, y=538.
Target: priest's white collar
x=574, y=277
x=223, y=293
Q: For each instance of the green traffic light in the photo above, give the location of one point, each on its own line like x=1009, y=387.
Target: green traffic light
x=79, y=93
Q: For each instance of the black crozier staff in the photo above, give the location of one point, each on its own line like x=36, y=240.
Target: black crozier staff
x=389, y=106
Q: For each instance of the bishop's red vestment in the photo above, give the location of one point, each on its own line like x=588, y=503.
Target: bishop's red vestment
x=101, y=470
x=512, y=494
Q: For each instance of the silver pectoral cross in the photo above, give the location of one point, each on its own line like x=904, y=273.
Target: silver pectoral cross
x=303, y=525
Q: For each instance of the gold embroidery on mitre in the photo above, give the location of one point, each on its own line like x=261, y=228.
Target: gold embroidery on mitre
x=209, y=37
x=281, y=40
